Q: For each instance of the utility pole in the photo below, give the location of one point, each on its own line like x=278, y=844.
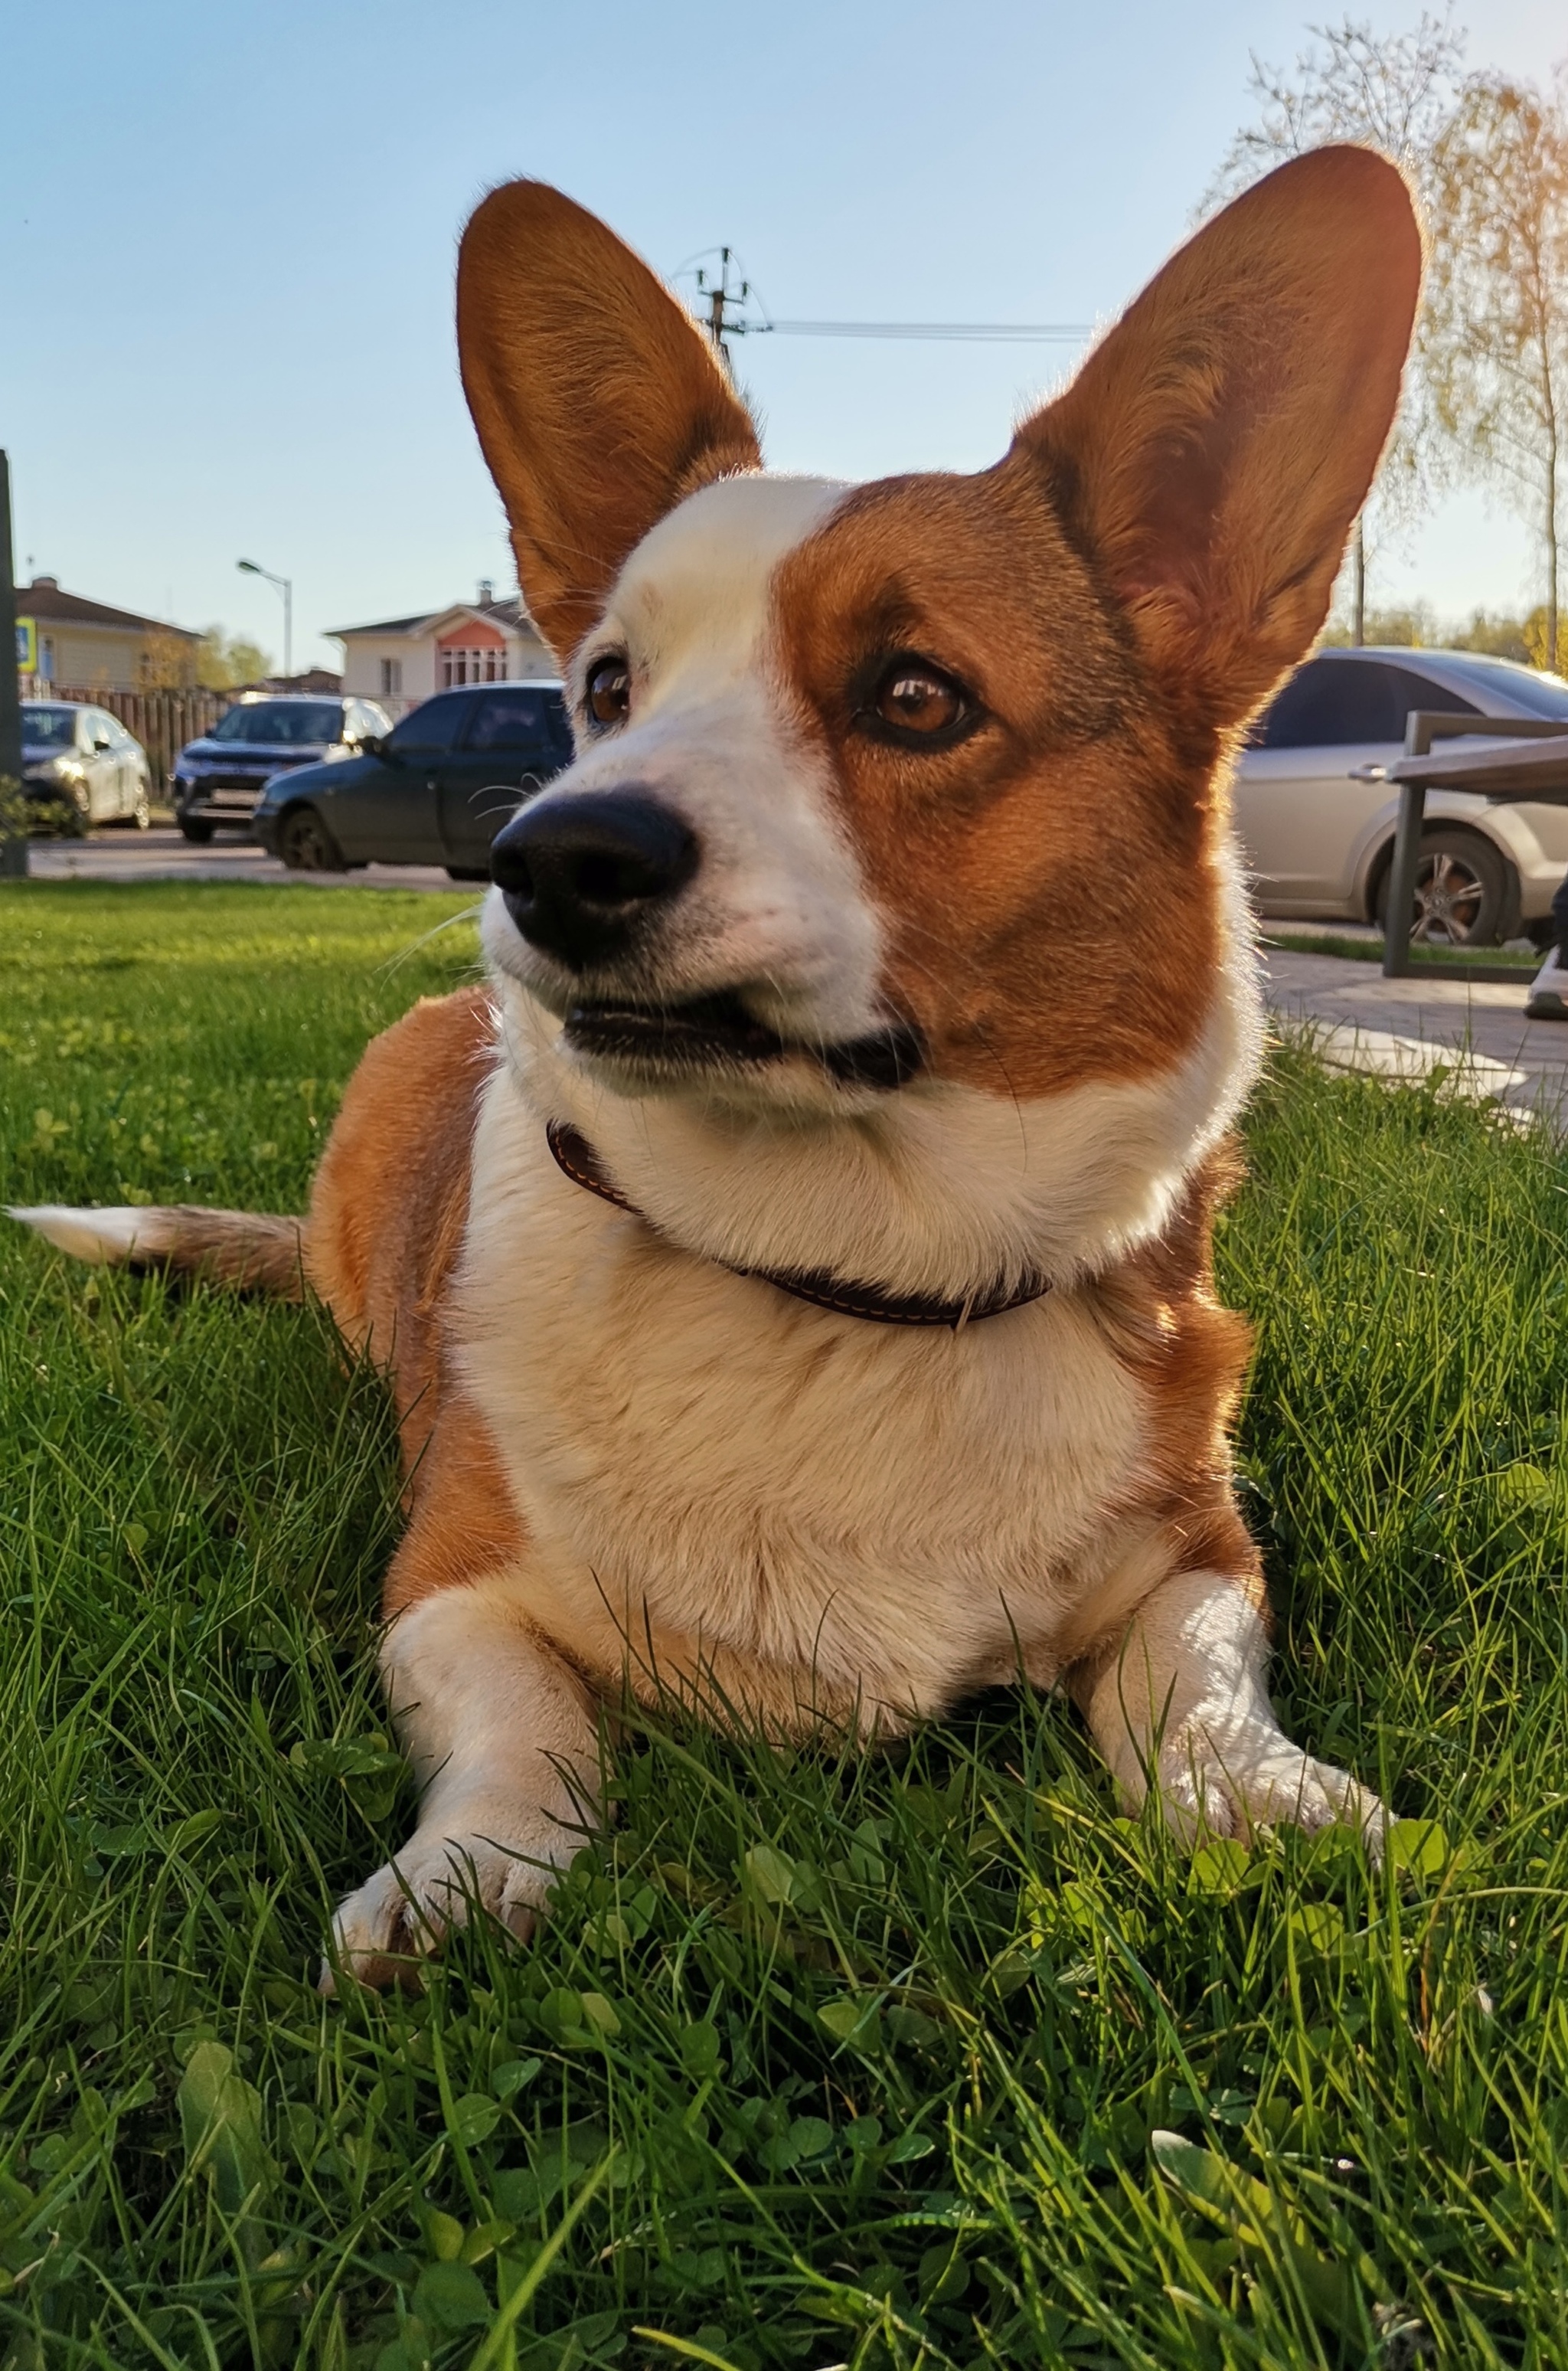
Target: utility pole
x=721, y=296
x=12, y=823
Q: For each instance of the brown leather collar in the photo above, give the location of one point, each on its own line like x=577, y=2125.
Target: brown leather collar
x=576, y=1157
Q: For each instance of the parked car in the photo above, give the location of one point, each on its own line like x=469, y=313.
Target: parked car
x=219, y=779
x=1318, y=840
x=85, y=755
x=434, y=790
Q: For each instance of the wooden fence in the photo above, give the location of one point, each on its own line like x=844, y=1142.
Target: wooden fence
x=162, y=720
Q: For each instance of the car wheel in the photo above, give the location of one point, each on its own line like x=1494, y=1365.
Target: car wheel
x=192, y=829
x=305, y=843
x=1464, y=890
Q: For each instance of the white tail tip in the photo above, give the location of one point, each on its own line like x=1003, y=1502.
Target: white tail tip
x=106, y=1236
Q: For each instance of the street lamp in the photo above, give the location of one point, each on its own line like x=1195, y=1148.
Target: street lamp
x=286, y=586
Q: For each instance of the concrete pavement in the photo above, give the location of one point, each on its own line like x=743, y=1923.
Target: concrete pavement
x=1400, y=1028
x=162, y=854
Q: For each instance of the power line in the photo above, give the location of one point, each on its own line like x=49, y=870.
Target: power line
x=1023, y=332
x=723, y=300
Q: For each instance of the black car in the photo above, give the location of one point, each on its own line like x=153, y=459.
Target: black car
x=219, y=779
x=434, y=790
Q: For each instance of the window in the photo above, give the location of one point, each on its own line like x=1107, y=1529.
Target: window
x=472, y=666
x=1413, y=690
x=433, y=726
x=514, y=719
x=46, y=728
x=1335, y=703
x=283, y=723
x=1538, y=695
x=391, y=679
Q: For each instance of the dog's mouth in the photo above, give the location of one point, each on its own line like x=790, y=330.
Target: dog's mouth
x=717, y=1033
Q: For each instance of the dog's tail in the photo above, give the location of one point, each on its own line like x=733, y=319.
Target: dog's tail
x=247, y=1249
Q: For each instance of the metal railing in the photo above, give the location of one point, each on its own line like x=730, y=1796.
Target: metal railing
x=1492, y=773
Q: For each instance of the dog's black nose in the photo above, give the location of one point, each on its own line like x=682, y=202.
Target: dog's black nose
x=580, y=874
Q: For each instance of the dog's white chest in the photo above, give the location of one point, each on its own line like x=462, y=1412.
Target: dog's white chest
x=890, y=1508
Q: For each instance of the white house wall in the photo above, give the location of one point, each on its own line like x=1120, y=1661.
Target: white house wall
x=363, y=654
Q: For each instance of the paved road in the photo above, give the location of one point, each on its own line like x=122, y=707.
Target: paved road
x=162, y=855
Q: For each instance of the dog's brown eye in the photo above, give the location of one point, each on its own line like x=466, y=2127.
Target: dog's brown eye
x=608, y=692
x=919, y=699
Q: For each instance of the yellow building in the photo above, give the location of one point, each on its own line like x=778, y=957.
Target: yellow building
x=85, y=646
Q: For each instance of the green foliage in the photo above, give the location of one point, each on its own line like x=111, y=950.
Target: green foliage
x=919, y=2058
x=1413, y=627
x=23, y=816
x=1417, y=627
x=225, y=661
x=1313, y=942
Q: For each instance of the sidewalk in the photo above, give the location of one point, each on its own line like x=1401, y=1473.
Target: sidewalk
x=1399, y=1028
x=162, y=854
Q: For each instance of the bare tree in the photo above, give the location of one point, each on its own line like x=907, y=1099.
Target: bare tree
x=1497, y=342
x=1394, y=92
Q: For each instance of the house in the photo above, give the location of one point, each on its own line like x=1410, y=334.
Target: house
x=87, y=646
x=401, y=661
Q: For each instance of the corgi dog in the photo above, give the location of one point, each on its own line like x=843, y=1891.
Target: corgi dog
x=793, y=1263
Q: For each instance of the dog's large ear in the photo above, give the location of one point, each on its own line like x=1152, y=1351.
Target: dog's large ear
x=598, y=402
x=1214, y=451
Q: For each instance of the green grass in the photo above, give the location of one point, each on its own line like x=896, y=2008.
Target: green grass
x=820, y=2059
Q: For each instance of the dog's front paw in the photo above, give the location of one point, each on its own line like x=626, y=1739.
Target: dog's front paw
x=1227, y=1778
x=398, y=1917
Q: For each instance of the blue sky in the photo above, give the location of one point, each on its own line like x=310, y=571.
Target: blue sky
x=225, y=274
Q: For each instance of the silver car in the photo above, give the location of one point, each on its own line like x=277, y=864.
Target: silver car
x=85, y=755
x=1317, y=839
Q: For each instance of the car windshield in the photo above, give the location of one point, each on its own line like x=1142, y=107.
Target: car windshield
x=282, y=723
x=1538, y=695
x=48, y=728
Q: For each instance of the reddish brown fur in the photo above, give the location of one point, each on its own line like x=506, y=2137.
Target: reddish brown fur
x=1160, y=1311
x=252, y=1251
x=597, y=405
x=1214, y=450
x=462, y=1522
x=1016, y=872
x=386, y=1218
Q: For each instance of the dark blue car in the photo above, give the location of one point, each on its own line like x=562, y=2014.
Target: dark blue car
x=434, y=791
x=219, y=779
